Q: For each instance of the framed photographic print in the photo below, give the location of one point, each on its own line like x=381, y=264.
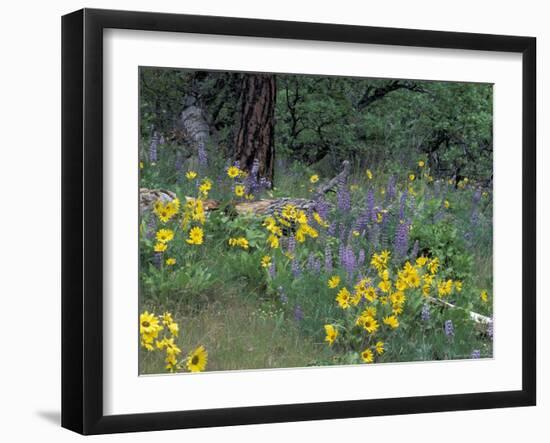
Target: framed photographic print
x=270, y=221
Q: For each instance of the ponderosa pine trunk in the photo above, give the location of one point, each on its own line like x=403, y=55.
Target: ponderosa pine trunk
x=255, y=138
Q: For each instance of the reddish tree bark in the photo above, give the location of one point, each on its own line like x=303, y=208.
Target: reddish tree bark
x=255, y=138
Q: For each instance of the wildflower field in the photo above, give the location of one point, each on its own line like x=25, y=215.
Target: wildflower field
x=293, y=221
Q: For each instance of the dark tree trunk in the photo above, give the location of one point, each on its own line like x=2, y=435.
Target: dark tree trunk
x=254, y=138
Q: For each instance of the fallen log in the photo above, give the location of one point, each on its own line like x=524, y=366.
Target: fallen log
x=481, y=320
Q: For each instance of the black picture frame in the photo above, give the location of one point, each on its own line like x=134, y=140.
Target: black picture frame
x=82, y=218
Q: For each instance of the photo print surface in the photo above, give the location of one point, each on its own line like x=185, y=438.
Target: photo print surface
x=292, y=220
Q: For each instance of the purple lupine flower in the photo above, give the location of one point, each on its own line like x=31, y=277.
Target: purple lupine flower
x=332, y=230
x=161, y=140
x=343, y=196
x=322, y=208
x=311, y=262
x=425, y=314
x=414, y=252
x=328, y=259
x=391, y=190
x=349, y=262
x=291, y=247
x=317, y=265
x=476, y=353
x=341, y=253
x=203, y=157
x=361, y=258
x=282, y=296
x=298, y=313
x=362, y=221
x=401, y=243
x=296, y=269
x=449, y=328
x=153, y=148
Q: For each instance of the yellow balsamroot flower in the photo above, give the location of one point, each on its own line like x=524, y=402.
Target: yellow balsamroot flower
x=314, y=178
x=414, y=280
x=357, y=297
x=369, y=174
x=239, y=190
x=446, y=204
x=379, y=217
x=369, y=312
x=426, y=290
x=160, y=247
x=197, y=360
x=249, y=197
x=165, y=235
x=196, y=235
x=333, y=281
x=289, y=212
x=385, y=286
x=301, y=217
x=433, y=265
x=398, y=297
x=273, y=241
x=205, y=187
x=391, y=321
x=233, y=171
x=167, y=318
x=141, y=165
x=190, y=175
x=401, y=284
x=384, y=300
x=444, y=288
x=356, y=233
x=266, y=261
x=421, y=261
x=458, y=286
x=319, y=220
x=241, y=242
x=331, y=334
x=164, y=214
x=370, y=294
x=343, y=298
x=411, y=177
x=380, y=261
x=421, y=164
x=484, y=295
x=379, y=347
x=168, y=345
x=174, y=328
x=367, y=356
x=397, y=309
x=170, y=261
x=149, y=324
x=370, y=324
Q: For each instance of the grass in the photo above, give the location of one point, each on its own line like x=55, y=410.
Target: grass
x=238, y=328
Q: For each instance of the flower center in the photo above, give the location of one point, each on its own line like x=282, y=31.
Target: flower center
x=145, y=324
x=195, y=360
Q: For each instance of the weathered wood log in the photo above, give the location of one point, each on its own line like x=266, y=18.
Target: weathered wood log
x=147, y=197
